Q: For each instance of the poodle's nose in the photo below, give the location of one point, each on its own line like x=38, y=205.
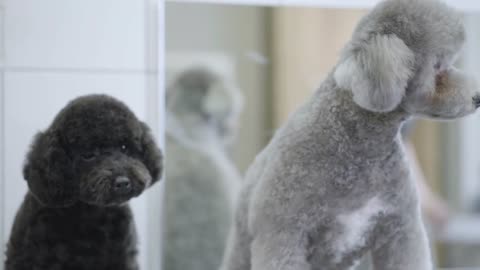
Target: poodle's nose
x=476, y=101
x=122, y=185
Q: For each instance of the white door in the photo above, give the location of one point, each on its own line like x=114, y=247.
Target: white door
x=55, y=50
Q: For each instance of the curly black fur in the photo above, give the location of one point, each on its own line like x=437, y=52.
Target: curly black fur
x=81, y=171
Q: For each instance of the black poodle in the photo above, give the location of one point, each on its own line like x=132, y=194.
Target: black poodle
x=81, y=171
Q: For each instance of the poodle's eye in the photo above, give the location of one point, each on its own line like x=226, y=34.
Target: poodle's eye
x=88, y=156
x=123, y=148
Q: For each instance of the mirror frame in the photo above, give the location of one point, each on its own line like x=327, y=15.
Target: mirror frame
x=463, y=5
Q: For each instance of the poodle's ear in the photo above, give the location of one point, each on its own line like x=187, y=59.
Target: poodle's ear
x=49, y=172
x=151, y=154
x=377, y=71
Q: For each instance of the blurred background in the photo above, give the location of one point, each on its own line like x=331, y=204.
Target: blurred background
x=277, y=56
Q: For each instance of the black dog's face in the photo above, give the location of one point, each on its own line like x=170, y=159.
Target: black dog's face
x=95, y=151
x=111, y=172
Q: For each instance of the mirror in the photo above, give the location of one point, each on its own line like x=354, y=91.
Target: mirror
x=247, y=68
x=218, y=118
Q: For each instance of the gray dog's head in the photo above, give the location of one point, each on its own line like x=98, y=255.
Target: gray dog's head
x=204, y=104
x=401, y=56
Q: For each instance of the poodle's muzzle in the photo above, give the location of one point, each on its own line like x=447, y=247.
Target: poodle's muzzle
x=115, y=180
x=476, y=101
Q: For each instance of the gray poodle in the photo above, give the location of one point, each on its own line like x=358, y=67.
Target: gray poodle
x=202, y=109
x=81, y=171
x=333, y=183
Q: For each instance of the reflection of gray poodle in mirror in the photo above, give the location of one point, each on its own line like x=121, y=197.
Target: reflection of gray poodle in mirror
x=202, y=111
x=333, y=183
x=81, y=172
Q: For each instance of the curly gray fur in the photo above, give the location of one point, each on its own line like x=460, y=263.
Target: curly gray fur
x=333, y=183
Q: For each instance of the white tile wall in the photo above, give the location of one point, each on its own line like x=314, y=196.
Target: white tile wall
x=56, y=50
x=86, y=34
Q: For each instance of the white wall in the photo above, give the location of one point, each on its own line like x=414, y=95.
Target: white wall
x=469, y=131
x=56, y=50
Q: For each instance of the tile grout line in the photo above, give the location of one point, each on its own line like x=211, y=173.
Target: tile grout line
x=36, y=69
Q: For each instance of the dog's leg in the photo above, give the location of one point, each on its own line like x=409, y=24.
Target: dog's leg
x=280, y=251
x=407, y=250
